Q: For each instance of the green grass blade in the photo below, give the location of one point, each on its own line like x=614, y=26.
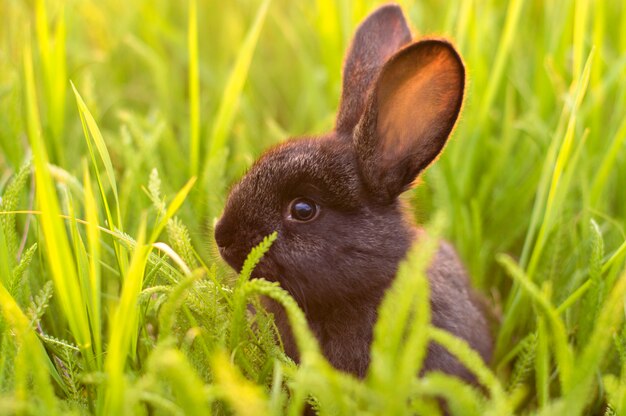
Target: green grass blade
x=172, y=366
x=547, y=204
x=240, y=295
x=473, y=362
x=607, y=164
x=234, y=86
x=505, y=46
x=244, y=397
x=59, y=255
x=307, y=343
x=33, y=356
x=6, y=271
x=460, y=397
x=562, y=349
x=94, y=304
x=174, y=206
x=54, y=70
x=124, y=322
x=194, y=88
x=542, y=364
x=562, y=160
x=594, y=353
x=94, y=137
x=581, y=13
x=615, y=258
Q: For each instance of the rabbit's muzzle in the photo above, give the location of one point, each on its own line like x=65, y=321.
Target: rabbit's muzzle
x=226, y=244
x=234, y=242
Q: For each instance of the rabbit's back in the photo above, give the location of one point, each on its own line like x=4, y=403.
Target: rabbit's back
x=456, y=308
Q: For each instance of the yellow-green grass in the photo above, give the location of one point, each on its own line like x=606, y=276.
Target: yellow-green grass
x=123, y=123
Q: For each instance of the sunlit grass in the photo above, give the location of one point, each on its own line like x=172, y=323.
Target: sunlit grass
x=123, y=123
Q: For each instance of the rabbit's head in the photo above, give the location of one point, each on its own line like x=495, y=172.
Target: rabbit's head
x=333, y=200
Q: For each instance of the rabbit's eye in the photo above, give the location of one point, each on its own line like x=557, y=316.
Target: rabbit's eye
x=303, y=209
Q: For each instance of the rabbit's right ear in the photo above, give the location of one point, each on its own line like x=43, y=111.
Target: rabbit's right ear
x=381, y=35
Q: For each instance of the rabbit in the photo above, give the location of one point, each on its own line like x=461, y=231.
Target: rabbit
x=334, y=201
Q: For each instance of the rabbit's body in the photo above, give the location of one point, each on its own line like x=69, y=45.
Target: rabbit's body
x=345, y=330
x=333, y=200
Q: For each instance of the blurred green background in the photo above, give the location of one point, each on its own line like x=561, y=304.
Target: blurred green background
x=536, y=167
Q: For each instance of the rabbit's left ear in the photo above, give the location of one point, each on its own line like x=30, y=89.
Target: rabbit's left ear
x=381, y=35
x=410, y=113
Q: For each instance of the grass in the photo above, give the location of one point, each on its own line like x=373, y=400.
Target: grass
x=122, y=125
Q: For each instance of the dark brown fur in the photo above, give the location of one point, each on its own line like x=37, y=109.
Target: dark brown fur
x=398, y=107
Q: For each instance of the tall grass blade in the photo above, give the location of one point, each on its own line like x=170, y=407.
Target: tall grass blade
x=240, y=295
x=460, y=398
x=94, y=304
x=94, y=138
x=542, y=364
x=174, y=206
x=561, y=162
x=473, y=362
x=124, y=324
x=58, y=253
x=53, y=62
x=234, y=86
x=594, y=353
x=173, y=367
x=562, y=350
x=607, y=165
x=194, y=88
x=547, y=205
x=32, y=360
x=496, y=74
x=244, y=397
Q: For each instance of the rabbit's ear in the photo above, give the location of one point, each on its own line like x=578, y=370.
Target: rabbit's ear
x=381, y=35
x=410, y=112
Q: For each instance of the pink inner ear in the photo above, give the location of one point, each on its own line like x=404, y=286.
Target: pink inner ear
x=419, y=96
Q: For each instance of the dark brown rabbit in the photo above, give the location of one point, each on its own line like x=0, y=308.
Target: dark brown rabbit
x=334, y=200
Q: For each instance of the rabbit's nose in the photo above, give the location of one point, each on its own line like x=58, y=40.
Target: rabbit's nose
x=223, y=234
